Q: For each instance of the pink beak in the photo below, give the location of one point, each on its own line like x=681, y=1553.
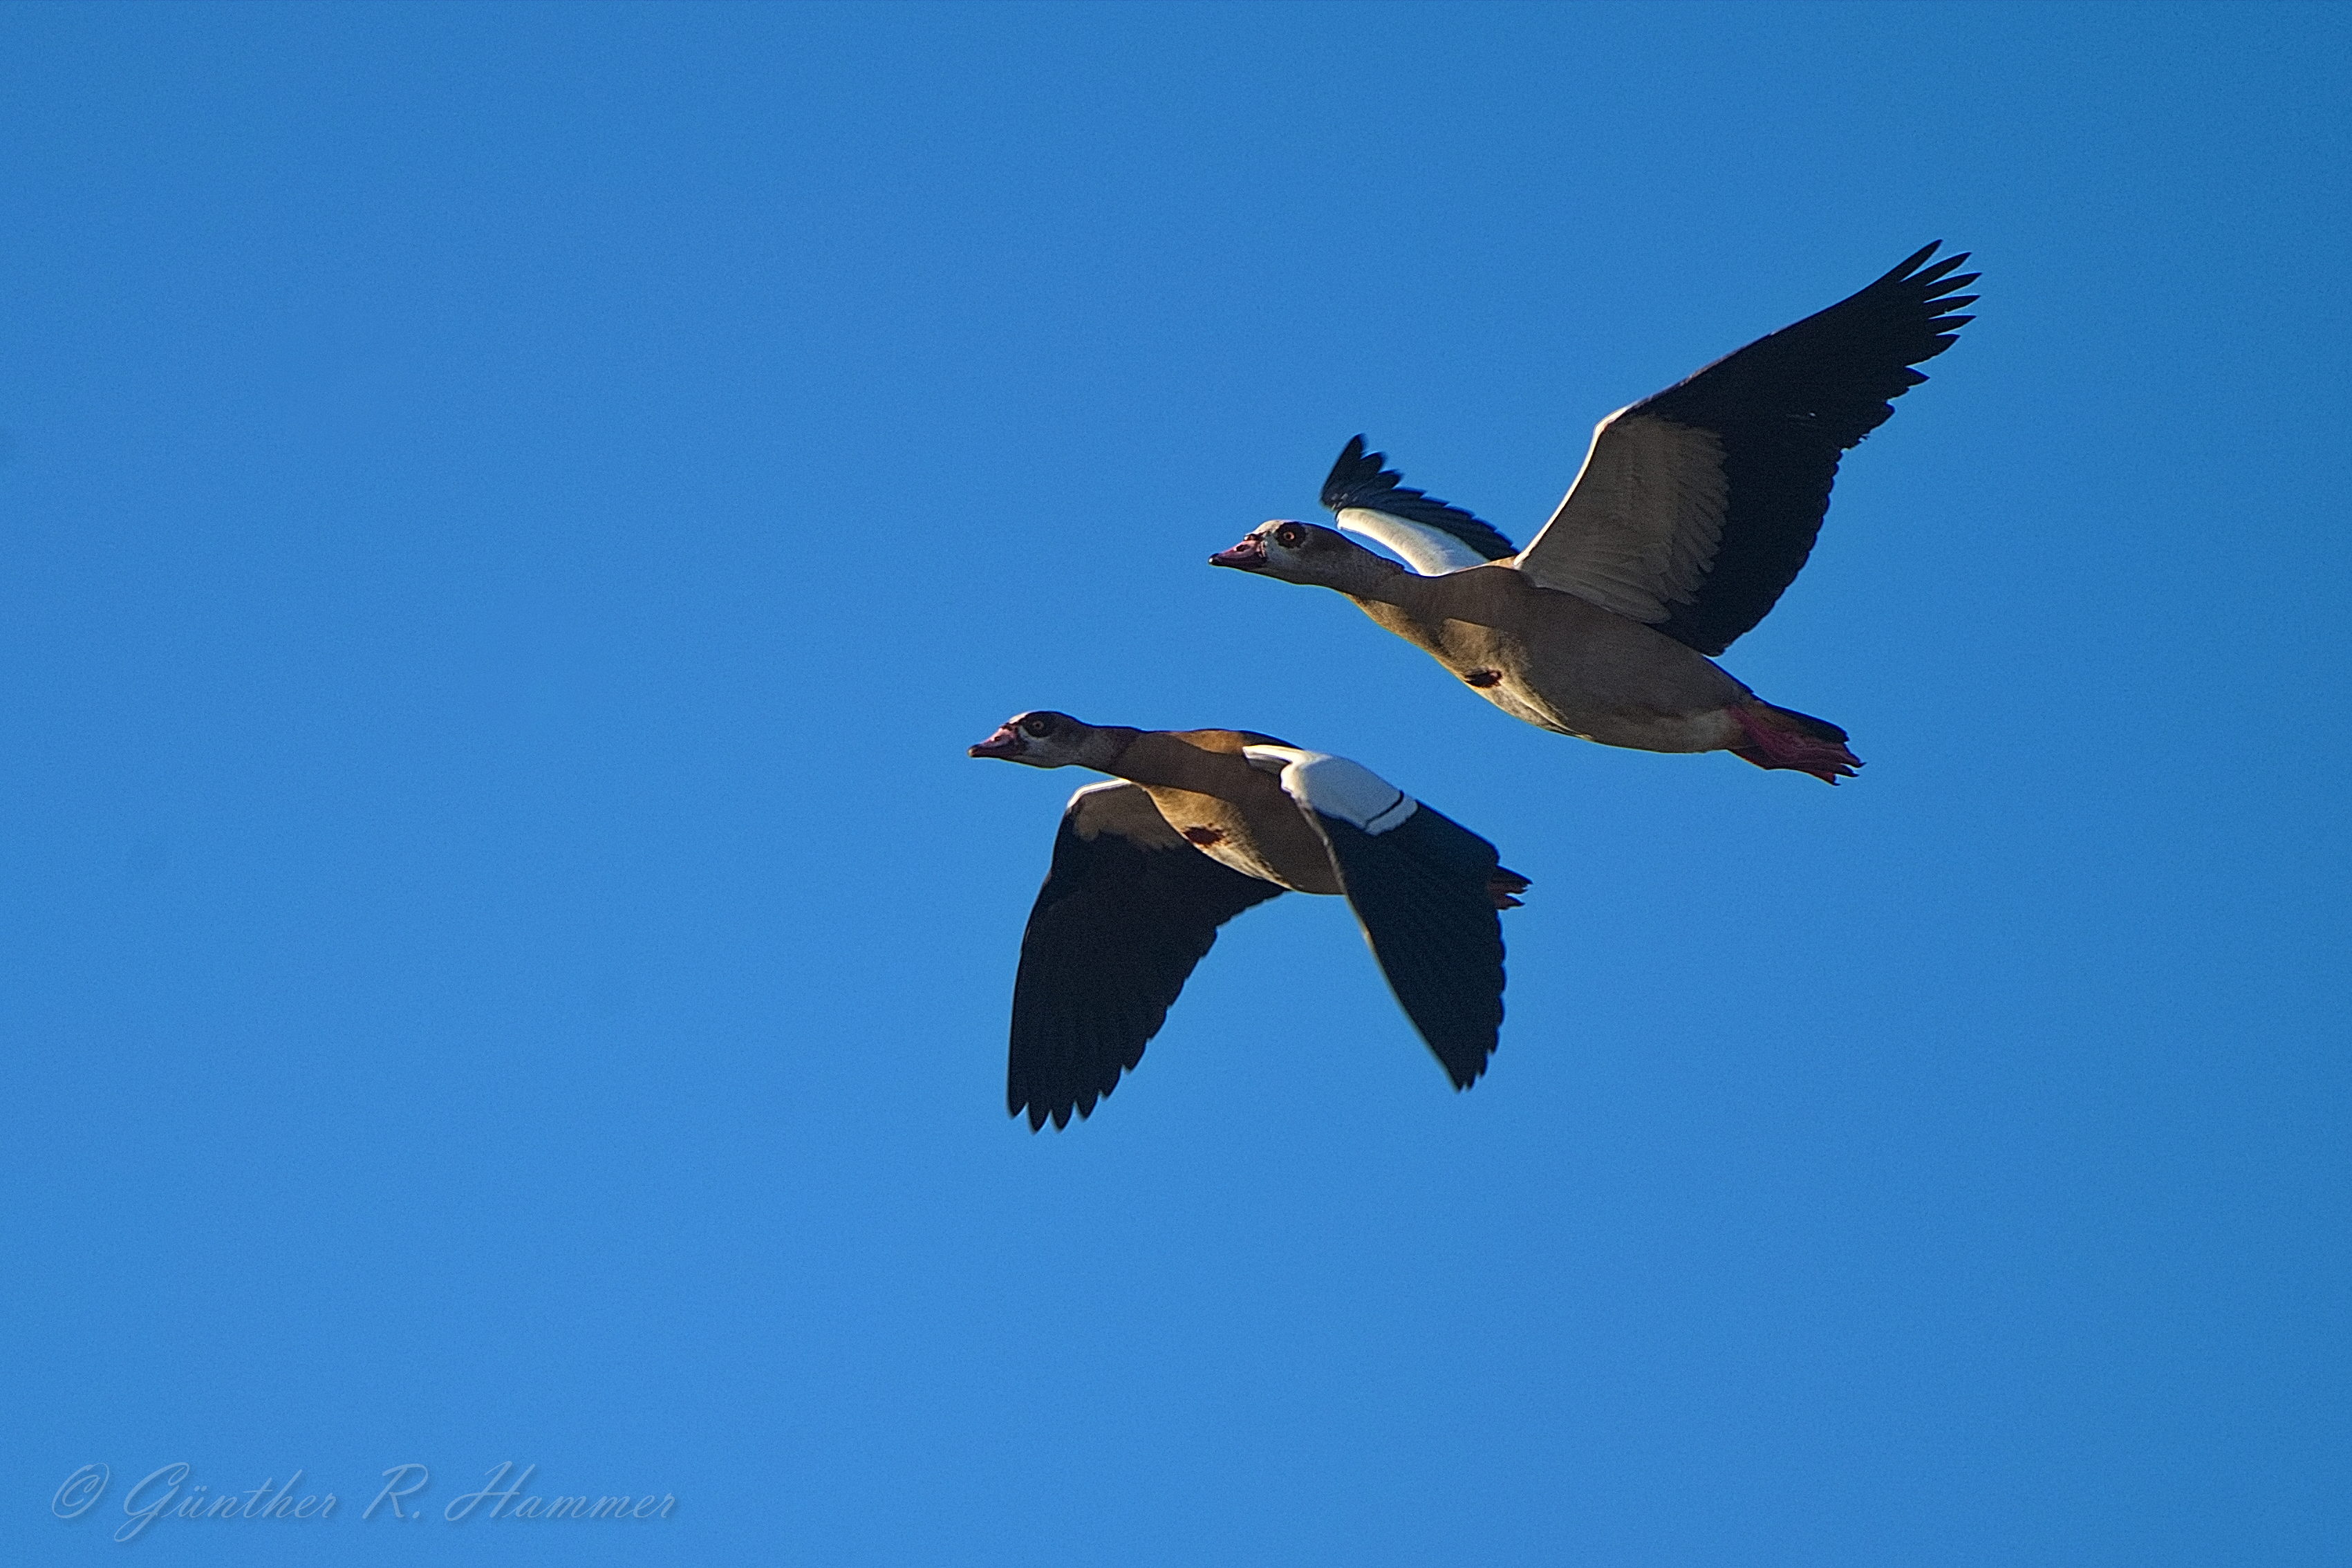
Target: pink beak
x=1249, y=555
x=1005, y=743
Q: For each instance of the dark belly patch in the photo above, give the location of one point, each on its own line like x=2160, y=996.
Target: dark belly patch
x=1483, y=678
x=1204, y=837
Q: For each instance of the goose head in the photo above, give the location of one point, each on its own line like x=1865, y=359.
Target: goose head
x=1298, y=551
x=1044, y=739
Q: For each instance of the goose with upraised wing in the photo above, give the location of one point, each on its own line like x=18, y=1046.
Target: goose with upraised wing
x=1693, y=511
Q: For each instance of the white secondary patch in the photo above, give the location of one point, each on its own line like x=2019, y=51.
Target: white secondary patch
x=1432, y=551
x=1333, y=786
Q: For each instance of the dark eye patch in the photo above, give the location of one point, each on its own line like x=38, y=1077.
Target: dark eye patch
x=1038, y=726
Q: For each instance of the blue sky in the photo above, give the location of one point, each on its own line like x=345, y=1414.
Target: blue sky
x=512, y=515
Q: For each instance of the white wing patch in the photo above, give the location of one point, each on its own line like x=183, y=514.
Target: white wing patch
x=1638, y=527
x=1125, y=810
x=1431, y=552
x=1333, y=786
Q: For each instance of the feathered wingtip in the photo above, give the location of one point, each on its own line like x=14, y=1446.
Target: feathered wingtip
x=1937, y=289
x=1357, y=473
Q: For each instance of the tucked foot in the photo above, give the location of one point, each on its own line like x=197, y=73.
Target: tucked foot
x=1784, y=738
x=1504, y=885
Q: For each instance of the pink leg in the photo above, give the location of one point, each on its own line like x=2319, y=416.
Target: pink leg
x=1778, y=738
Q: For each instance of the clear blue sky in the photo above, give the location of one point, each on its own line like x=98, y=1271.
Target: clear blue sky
x=512, y=515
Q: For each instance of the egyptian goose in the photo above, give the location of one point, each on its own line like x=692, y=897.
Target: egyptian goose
x=1695, y=509
x=1201, y=825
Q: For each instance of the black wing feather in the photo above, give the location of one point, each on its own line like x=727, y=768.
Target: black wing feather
x=1358, y=479
x=1785, y=407
x=1115, y=934
x=1420, y=890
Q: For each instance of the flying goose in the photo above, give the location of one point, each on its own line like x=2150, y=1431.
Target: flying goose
x=1695, y=509
x=1201, y=824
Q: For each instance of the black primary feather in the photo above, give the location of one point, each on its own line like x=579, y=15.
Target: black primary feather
x=1358, y=479
x=1785, y=408
x=1115, y=934
x=1419, y=889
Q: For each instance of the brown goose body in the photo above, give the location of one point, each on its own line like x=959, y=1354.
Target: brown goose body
x=1693, y=511
x=1234, y=812
x=1559, y=662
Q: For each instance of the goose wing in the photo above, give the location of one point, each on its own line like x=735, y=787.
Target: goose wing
x=1697, y=507
x=1422, y=887
x=1434, y=537
x=1127, y=910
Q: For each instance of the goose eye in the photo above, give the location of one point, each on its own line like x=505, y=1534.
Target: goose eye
x=1290, y=536
x=1039, y=727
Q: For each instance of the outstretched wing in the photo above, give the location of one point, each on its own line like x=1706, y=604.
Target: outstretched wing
x=1432, y=536
x=1127, y=910
x=1425, y=889
x=1696, y=508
